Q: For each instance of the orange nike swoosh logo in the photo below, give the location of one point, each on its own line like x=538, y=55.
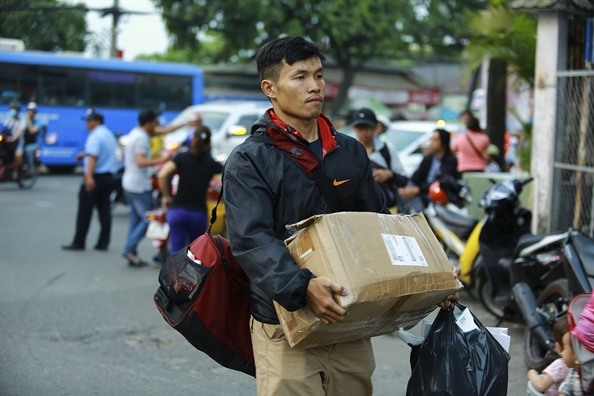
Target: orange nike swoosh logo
x=338, y=183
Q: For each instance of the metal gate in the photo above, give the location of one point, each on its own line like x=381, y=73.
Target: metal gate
x=573, y=174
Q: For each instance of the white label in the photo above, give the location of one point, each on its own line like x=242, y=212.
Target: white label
x=157, y=230
x=466, y=322
x=404, y=250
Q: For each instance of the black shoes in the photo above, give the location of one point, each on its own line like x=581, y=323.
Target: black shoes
x=135, y=262
x=77, y=247
x=72, y=247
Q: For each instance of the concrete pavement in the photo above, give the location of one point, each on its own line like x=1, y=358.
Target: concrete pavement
x=78, y=323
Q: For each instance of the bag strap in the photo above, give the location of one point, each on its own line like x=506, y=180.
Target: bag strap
x=219, y=243
x=324, y=184
x=474, y=147
x=213, y=213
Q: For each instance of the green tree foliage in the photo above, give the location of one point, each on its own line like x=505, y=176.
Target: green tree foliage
x=354, y=31
x=505, y=35
x=44, y=30
x=440, y=27
x=508, y=39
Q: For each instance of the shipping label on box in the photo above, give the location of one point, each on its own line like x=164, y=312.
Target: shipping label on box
x=392, y=265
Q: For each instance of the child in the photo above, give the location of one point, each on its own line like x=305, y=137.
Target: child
x=580, y=346
x=571, y=385
x=555, y=373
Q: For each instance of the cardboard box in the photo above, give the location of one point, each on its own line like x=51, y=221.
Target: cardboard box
x=392, y=265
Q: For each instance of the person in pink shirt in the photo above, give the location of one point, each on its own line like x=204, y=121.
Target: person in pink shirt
x=471, y=147
x=552, y=376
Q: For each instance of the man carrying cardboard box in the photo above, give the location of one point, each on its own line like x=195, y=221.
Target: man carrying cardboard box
x=264, y=190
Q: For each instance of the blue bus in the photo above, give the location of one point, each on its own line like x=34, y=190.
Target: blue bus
x=64, y=86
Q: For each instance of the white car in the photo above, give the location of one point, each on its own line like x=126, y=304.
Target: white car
x=411, y=139
x=229, y=123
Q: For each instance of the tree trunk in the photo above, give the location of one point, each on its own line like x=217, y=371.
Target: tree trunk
x=496, y=104
x=472, y=85
x=349, y=73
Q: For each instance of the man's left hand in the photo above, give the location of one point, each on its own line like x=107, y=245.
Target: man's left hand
x=90, y=183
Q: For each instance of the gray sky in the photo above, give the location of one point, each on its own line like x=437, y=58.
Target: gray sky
x=138, y=34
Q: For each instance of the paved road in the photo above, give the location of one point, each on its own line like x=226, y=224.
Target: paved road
x=83, y=323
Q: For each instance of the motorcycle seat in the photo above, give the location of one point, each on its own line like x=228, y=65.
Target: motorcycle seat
x=531, y=239
x=584, y=248
x=455, y=219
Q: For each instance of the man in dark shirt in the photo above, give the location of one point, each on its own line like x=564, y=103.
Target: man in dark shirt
x=438, y=162
x=186, y=213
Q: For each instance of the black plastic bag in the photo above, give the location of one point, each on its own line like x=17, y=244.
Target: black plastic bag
x=450, y=362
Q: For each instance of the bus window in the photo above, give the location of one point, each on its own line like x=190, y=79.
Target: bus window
x=17, y=83
x=164, y=92
x=62, y=86
x=111, y=89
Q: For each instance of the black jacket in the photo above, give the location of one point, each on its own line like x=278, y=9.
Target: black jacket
x=449, y=166
x=265, y=190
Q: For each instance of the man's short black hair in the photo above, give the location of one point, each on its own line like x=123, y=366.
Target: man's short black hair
x=271, y=55
x=147, y=115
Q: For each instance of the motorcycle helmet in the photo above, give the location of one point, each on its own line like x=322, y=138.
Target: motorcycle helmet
x=437, y=194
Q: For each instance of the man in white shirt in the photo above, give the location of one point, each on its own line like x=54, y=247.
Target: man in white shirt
x=136, y=180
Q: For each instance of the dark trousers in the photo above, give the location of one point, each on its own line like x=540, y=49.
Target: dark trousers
x=98, y=197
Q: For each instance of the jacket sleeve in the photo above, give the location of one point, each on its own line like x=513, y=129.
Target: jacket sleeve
x=449, y=166
x=249, y=204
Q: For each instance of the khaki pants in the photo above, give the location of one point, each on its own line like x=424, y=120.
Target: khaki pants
x=339, y=369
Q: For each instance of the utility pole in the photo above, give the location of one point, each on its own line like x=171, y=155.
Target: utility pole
x=113, y=51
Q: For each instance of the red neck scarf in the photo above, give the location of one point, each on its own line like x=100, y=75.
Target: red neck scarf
x=324, y=125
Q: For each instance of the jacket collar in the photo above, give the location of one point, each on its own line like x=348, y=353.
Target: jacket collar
x=325, y=128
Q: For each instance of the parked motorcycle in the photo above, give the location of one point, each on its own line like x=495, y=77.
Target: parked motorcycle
x=517, y=266
x=577, y=261
x=449, y=218
x=26, y=178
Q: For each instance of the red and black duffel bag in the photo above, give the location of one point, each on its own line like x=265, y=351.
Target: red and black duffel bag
x=205, y=298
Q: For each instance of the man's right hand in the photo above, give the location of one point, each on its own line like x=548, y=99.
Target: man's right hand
x=320, y=299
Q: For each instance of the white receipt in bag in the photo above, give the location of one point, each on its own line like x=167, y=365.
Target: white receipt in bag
x=465, y=321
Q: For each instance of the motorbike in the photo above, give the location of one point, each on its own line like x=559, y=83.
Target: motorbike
x=517, y=266
x=449, y=218
x=576, y=259
x=26, y=177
